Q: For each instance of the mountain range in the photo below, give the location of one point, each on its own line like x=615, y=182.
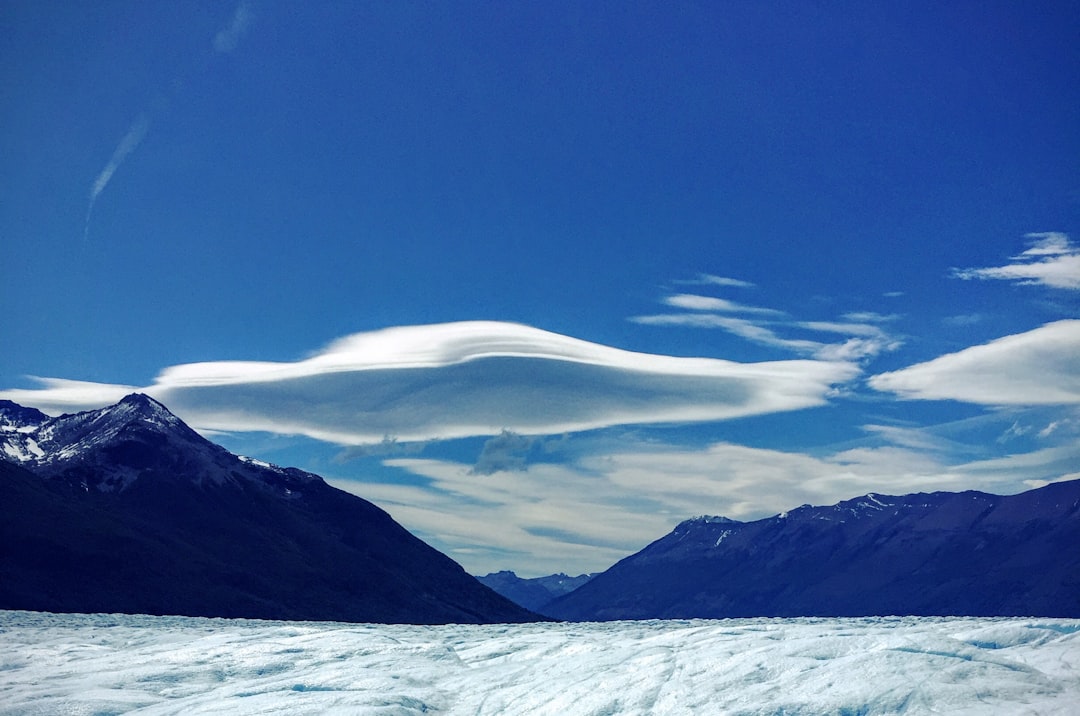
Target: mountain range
x=533, y=592
x=127, y=509
x=941, y=553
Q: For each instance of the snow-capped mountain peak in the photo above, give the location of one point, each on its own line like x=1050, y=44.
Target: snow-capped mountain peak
x=135, y=437
x=66, y=436
x=16, y=418
x=138, y=406
x=135, y=409
x=126, y=508
x=706, y=520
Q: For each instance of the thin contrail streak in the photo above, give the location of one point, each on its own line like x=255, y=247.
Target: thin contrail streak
x=126, y=146
x=229, y=36
x=225, y=41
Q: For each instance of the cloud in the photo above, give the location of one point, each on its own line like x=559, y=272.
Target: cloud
x=57, y=395
x=709, y=303
x=388, y=447
x=751, y=331
x=1039, y=367
x=541, y=520
x=871, y=317
x=229, y=36
x=964, y=319
x=706, y=279
x=130, y=141
x=504, y=452
x=224, y=41
x=610, y=500
x=462, y=379
x=866, y=341
x=1052, y=260
x=759, y=325
x=919, y=439
x=1064, y=425
x=865, y=330
x=1016, y=430
x=1049, y=244
x=127, y=145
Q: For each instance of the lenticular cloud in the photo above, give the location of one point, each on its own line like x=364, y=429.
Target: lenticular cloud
x=463, y=379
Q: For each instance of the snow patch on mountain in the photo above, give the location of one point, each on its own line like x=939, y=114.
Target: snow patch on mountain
x=723, y=536
x=23, y=450
x=257, y=463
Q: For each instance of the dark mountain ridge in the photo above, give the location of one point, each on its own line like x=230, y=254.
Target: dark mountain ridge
x=533, y=592
x=126, y=509
x=967, y=553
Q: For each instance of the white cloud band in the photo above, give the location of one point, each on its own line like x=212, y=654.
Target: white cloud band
x=462, y=379
x=1052, y=260
x=1039, y=367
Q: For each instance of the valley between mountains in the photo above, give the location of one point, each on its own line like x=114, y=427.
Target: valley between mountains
x=127, y=509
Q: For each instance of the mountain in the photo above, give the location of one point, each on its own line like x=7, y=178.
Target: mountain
x=533, y=593
x=965, y=554
x=127, y=509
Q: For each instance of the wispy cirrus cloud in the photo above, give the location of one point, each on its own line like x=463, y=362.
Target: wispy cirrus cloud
x=870, y=317
x=753, y=331
x=458, y=380
x=964, y=319
x=584, y=514
x=846, y=328
x=1038, y=367
x=693, y=302
x=767, y=327
x=708, y=279
x=1051, y=260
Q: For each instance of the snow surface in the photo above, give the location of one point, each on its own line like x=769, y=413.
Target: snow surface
x=107, y=664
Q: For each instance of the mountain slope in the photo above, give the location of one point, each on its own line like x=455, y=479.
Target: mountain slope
x=126, y=509
x=966, y=553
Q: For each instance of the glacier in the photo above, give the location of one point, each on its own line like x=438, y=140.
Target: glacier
x=113, y=664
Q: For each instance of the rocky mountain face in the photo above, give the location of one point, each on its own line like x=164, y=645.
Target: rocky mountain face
x=535, y=592
x=126, y=509
x=967, y=553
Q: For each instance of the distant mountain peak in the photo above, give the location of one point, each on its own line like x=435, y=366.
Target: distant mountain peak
x=142, y=400
x=533, y=593
x=706, y=520
x=138, y=406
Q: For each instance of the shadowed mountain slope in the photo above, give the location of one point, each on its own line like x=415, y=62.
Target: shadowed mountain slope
x=967, y=553
x=126, y=509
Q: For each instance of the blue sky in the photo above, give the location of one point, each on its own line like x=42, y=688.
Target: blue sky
x=544, y=279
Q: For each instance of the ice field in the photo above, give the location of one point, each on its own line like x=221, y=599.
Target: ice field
x=78, y=664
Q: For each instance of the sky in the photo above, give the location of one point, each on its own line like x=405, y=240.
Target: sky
x=543, y=280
